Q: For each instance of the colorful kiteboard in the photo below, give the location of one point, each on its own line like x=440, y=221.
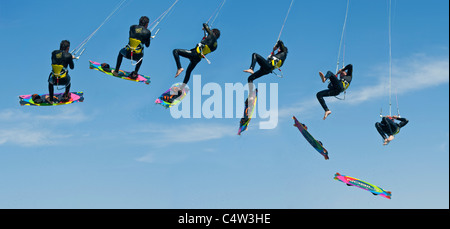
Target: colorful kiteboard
x=122, y=74
x=375, y=190
x=170, y=98
x=41, y=100
x=316, y=144
x=248, y=114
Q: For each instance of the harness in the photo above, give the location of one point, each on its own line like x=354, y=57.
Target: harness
x=135, y=47
x=203, y=50
x=345, y=84
x=276, y=63
x=397, y=131
x=58, y=71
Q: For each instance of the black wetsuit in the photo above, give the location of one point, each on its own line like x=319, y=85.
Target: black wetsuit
x=387, y=127
x=65, y=59
x=142, y=34
x=267, y=65
x=193, y=55
x=336, y=85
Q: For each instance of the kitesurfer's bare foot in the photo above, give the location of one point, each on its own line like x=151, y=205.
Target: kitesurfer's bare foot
x=115, y=73
x=179, y=72
x=66, y=97
x=386, y=142
x=49, y=100
x=251, y=100
x=249, y=71
x=322, y=76
x=391, y=138
x=133, y=75
x=175, y=91
x=328, y=113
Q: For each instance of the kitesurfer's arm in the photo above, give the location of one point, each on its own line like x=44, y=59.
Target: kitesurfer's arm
x=403, y=121
x=148, y=39
x=348, y=68
x=280, y=45
x=70, y=58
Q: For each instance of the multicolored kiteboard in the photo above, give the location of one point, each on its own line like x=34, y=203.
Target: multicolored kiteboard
x=375, y=190
x=41, y=100
x=316, y=144
x=170, y=98
x=248, y=113
x=122, y=74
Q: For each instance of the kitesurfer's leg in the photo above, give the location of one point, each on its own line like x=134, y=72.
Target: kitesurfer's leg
x=253, y=77
x=192, y=65
x=66, y=94
x=380, y=130
x=335, y=82
x=266, y=68
x=184, y=53
x=256, y=58
x=264, y=63
x=335, y=88
x=50, y=89
x=51, y=92
x=67, y=84
x=138, y=66
x=134, y=74
x=320, y=97
x=390, y=129
x=115, y=72
x=322, y=77
x=253, y=64
x=388, y=126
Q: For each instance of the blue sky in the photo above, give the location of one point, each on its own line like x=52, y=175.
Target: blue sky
x=119, y=150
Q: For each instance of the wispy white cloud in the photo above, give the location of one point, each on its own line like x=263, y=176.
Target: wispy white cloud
x=159, y=136
x=70, y=114
x=19, y=127
x=148, y=158
x=26, y=137
x=190, y=133
x=297, y=108
x=411, y=74
x=168, y=157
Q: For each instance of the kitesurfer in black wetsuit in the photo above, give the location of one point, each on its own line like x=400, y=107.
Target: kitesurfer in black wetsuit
x=274, y=61
x=61, y=59
x=336, y=86
x=139, y=36
x=195, y=55
x=388, y=128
